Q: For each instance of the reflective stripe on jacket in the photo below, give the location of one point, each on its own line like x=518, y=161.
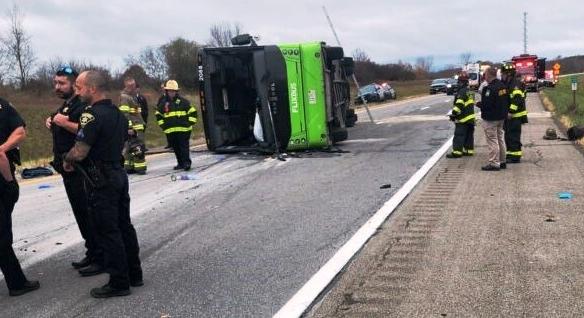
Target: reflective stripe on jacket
x=176, y=115
x=463, y=110
x=130, y=107
x=517, y=95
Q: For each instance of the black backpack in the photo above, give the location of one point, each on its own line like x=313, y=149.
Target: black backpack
x=575, y=132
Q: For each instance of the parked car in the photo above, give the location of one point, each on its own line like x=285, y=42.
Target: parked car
x=371, y=93
x=452, y=86
x=388, y=91
x=438, y=85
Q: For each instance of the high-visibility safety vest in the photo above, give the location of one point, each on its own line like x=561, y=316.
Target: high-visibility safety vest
x=130, y=107
x=463, y=110
x=517, y=108
x=176, y=115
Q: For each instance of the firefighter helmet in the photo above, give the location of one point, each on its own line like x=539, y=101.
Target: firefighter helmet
x=171, y=85
x=550, y=134
x=508, y=68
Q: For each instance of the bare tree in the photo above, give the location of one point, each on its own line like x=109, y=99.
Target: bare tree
x=18, y=46
x=3, y=63
x=360, y=56
x=465, y=58
x=222, y=33
x=180, y=56
x=152, y=60
x=424, y=64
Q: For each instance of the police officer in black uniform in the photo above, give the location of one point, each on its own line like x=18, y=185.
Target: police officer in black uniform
x=12, y=133
x=98, y=154
x=144, y=111
x=64, y=125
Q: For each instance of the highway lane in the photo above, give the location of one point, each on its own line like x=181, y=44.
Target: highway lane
x=243, y=237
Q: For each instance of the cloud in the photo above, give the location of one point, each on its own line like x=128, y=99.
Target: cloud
x=107, y=31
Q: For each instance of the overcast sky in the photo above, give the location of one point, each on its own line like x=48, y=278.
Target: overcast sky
x=105, y=32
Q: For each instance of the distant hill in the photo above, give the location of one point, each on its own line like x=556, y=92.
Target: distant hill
x=571, y=64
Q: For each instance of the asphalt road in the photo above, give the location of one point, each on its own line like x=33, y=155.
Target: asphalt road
x=240, y=239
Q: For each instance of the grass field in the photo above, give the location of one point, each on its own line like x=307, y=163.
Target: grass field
x=562, y=99
x=406, y=89
x=35, y=108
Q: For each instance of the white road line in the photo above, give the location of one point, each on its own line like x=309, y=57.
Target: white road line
x=424, y=108
x=298, y=304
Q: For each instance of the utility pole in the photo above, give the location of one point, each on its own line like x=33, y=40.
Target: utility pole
x=330, y=22
x=524, y=32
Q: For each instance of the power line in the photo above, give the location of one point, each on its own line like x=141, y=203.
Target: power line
x=524, y=32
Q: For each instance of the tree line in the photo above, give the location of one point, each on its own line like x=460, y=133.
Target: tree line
x=177, y=59
x=151, y=66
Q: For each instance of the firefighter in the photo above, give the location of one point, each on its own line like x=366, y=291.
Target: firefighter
x=134, y=154
x=464, y=118
x=176, y=116
x=517, y=113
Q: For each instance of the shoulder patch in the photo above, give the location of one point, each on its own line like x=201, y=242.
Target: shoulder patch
x=86, y=118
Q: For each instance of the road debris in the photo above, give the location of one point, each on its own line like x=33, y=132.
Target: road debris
x=564, y=195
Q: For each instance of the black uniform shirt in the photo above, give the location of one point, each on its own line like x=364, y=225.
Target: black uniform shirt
x=63, y=140
x=495, y=101
x=103, y=127
x=9, y=121
x=143, y=102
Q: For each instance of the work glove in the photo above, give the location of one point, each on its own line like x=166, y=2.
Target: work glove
x=479, y=104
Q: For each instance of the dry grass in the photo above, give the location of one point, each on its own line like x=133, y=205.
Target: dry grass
x=408, y=89
x=559, y=100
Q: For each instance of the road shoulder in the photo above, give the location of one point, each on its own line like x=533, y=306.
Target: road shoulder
x=474, y=243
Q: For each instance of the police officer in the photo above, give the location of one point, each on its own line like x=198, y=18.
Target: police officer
x=176, y=118
x=12, y=133
x=64, y=125
x=98, y=146
x=134, y=154
x=143, y=102
x=464, y=119
x=517, y=113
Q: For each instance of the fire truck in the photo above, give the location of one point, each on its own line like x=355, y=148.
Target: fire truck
x=529, y=68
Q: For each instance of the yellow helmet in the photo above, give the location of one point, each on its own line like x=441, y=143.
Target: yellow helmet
x=171, y=85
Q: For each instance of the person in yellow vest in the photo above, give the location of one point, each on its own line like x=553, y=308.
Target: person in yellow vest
x=464, y=118
x=176, y=116
x=134, y=150
x=517, y=113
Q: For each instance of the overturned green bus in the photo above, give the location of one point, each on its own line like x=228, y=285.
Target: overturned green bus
x=297, y=93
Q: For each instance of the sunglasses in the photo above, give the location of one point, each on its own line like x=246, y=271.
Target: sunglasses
x=66, y=70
